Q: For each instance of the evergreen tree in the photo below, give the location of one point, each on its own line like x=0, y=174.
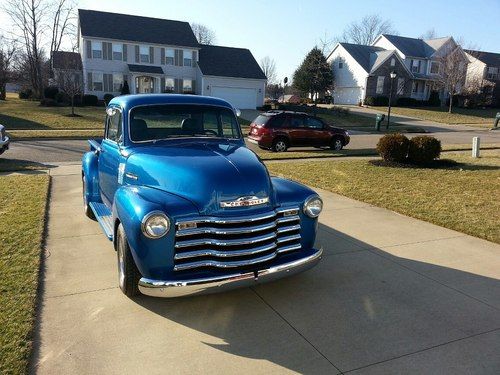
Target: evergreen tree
x=125, y=89
x=314, y=75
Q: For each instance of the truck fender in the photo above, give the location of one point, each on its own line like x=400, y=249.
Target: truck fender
x=90, y=173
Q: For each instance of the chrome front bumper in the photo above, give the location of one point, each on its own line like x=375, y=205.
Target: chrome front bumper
x=178, y=288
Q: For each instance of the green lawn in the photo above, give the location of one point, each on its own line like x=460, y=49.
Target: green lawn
x=440, y=114
x=463, y=198
x=22, y=218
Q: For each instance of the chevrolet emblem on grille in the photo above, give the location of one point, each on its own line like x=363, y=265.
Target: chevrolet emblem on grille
x=245, y=202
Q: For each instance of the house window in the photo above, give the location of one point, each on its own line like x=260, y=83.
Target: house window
x=117, y=51
x=169, y=56
x=415, y=66
x=187, y=85
x=97, y=84
x=434, y=67
x=380, y=84
x=393, y=62
x=401, y=86
x=492, y=73
x=96, y=50
x=117, y=82
x=187, y=58
x=341, y=64
x=169, y=84
x=144, y=54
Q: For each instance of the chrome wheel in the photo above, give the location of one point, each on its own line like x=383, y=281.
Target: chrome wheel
x=337, y=144
x=280, y=146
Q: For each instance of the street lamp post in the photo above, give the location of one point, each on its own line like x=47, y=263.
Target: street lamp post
x=393, y=75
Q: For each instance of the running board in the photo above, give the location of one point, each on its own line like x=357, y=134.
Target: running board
x=103, y=216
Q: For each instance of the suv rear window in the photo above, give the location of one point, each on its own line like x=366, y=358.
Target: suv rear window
x=261, y=120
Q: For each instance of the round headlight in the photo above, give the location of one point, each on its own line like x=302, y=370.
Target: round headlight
x=155, y=224
x=313, y=206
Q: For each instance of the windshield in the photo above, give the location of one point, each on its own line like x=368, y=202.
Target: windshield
x=155, y=122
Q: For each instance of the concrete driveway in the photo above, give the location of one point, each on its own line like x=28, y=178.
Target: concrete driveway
x=392, y=295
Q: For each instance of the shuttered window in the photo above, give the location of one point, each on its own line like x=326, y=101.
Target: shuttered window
x=97, y=81
x=380, y=84
x=96, y=50
x=187, y=58
x=117, y=51
x=169, y=84
x=144, y=54
x=169, y=56
x=187, y=85
x=117, y=82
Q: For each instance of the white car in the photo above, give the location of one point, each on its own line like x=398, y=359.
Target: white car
x=4, y=140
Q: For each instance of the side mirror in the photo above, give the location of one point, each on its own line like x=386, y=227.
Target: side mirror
x=237, y=112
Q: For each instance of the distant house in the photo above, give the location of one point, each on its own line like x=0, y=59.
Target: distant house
x=158, y=55
x=63, y=62
x=361, y=71
x=483, y=72
x=292, y=99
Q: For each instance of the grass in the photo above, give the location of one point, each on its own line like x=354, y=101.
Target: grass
x=14, y=165
x=22, y=215
x=60, y=134
x=462, y=197
x=440, y=114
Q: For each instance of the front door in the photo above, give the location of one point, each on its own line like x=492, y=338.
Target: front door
x=144, y=85
x=109, y=157
x=297, y=130
x=317, y=136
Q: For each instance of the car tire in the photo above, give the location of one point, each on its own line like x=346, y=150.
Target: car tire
x=86, y=208
x=336, y=144
x=128, y=274
x=280, y=145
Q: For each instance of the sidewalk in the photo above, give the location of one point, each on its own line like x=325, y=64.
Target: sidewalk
x=392, y=295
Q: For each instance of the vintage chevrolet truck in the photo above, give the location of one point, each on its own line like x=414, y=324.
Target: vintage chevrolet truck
x=189, y=208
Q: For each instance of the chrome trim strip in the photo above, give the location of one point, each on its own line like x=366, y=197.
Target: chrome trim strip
x=287, y=219
x=224, y=254
x=221, y=231
x=178, y=288
x=229, y=220
x=230, y=264
x=289, y=248
x=289, y=238
x=288, y=229
x=237, y=242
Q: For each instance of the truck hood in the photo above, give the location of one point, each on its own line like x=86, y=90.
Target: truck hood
x=206, y=173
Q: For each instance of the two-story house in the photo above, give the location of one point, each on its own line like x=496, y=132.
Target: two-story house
x=483, y=74
x=362, y=71
x=422, y=57
x=157, y=55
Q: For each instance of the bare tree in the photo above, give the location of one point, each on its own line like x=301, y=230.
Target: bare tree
x=28, y=18
x=429, y=34
x=70, y=81
x=367, y=30
x=203, y=34
x=268, y=66
x=8, y=49
x=63, y=23
x=452, y=72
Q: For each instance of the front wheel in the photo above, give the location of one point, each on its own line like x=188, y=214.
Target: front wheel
x=337, y=144
x=86, y=208
x=128, y=274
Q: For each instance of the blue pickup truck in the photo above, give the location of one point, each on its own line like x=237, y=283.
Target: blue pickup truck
x=189, y=208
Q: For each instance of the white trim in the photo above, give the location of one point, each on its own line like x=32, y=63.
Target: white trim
x=139, y=42
x=238, y=78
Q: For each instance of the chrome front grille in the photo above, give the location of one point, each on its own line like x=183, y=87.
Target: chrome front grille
x=217, y=242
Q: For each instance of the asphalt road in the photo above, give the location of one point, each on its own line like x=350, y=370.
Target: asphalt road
x=57, y=151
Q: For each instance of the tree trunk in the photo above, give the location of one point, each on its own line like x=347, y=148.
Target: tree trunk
x=2, y=91
x=72, y=105
x=451, y=103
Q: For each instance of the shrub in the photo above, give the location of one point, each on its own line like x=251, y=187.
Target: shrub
x=107, y=98
x=264, y=108
x=26, y=94
x=377, y=101
x=90, y=100
x=50, y=92
x=424, y=149
x=125, y=90
x=393, y=147
x=47, y=102
x=409, y=102
x=434, y=100
x=61, y=98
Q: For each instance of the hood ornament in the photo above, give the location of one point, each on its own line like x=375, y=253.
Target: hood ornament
x=245, y=202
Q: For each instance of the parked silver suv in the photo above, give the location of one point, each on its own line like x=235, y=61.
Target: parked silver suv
x=4, y=140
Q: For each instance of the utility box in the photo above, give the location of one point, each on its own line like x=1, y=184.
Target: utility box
x=378, y=121
x=497, y=118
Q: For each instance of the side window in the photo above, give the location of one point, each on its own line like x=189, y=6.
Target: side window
x=114, y=127
x=229, y=127
x=278, y=122
x=314, y=123
x=296, y=121
x=210, y=121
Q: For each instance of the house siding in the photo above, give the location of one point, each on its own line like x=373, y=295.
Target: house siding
x=384, y=70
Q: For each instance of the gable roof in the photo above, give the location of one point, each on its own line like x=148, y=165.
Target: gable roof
x=408, y=46
x=229, y=62
x=489, y=58
x=362, y=53
x=135, y=28
x=66, y=60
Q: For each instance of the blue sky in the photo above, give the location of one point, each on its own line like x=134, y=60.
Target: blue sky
x=287, y=30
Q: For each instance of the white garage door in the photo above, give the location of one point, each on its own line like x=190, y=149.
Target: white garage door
x=241, y=98
x=347, y=95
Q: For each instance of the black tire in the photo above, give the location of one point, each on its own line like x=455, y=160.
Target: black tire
x=336, y=144
x=280, y=145
x=86, y=208
x=128, y=274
